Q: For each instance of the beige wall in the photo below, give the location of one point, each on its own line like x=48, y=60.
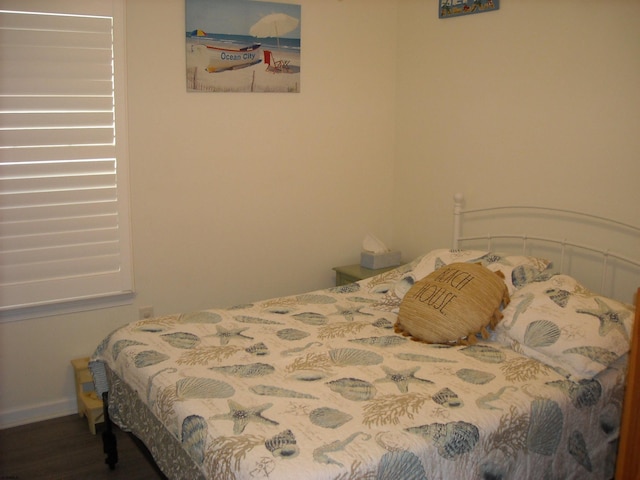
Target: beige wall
x=244, y=196
x=234, y=197
x=538, y=102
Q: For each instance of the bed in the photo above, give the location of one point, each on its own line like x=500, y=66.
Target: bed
x=324, y=385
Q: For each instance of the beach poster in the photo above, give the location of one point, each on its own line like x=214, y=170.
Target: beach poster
x=242, y=46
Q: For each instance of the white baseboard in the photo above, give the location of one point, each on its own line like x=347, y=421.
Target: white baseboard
x=38, y=412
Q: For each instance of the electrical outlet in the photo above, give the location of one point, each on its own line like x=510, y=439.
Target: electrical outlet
x=145, y=312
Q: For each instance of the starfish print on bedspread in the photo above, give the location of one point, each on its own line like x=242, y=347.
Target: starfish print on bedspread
x=349, y=312
x=609, y=319
x=241, y=416
x=401, y=378
x=225, y=335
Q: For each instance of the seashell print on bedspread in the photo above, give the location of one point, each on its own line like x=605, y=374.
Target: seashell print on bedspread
x=317, y=386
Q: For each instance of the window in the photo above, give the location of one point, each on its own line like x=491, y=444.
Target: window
x=64, y=220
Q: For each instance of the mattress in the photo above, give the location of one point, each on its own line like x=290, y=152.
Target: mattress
x=319, y=386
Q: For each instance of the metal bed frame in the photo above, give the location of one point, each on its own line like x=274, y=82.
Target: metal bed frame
x=564, y=246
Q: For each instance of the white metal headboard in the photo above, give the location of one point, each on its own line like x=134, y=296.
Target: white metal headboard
x=564, y=245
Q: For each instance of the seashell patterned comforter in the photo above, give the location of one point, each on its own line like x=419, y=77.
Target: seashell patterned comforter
x=318, y=386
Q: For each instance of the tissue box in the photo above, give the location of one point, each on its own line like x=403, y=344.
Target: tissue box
x=379, y=260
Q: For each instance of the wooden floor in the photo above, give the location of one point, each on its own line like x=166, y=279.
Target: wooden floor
x=64, y=449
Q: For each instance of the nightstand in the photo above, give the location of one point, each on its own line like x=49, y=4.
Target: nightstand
x=89, y=404
x=352, y=273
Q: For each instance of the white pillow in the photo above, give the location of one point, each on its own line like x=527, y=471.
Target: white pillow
x=562, y=324
x=518, y=270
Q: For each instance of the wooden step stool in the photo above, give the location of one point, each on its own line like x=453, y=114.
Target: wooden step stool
x=89, y=404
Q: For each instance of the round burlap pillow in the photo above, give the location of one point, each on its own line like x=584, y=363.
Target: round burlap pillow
x=453, y=304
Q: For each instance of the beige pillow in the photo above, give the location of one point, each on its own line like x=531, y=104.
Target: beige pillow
x=452, y=304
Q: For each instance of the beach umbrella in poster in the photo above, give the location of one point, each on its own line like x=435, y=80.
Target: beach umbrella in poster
x=274, y=25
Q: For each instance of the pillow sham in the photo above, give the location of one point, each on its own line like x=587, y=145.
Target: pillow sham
x=517, y=269
x=453, y=304
x=562, y=324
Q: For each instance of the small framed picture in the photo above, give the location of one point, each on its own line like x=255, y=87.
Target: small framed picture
x=456, y=8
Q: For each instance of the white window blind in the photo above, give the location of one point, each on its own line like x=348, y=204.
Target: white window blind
x=64, y=221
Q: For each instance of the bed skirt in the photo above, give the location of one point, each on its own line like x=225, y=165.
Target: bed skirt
x=128, y=412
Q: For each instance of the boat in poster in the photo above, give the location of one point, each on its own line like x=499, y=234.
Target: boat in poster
x=223, y=57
